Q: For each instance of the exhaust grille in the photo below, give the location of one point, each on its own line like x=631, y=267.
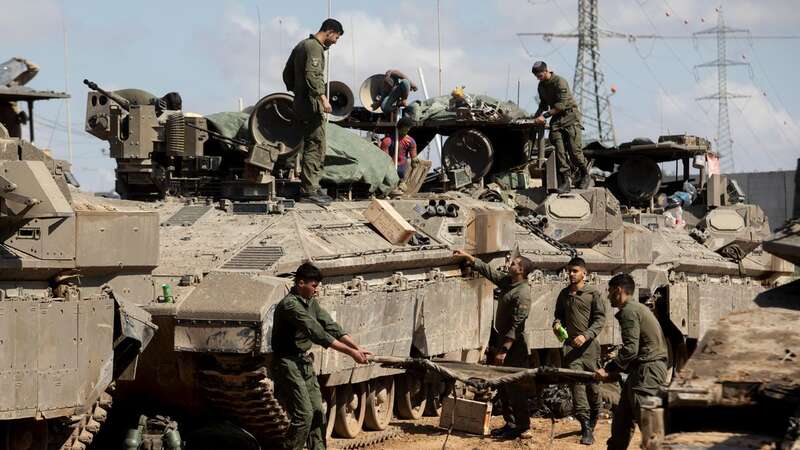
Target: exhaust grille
x=254, y=258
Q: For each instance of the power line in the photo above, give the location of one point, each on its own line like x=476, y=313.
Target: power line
x=589, y=80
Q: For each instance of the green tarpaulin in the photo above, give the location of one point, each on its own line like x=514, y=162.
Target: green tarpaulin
x=349, y=158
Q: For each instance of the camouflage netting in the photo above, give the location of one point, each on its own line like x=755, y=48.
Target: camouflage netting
x=349, y=158
x=436, y=108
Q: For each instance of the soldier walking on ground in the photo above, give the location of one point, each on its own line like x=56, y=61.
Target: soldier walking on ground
x=582, y=312
x=507, y=346
x=557, y=103
x=304, y=75
x=643, y=356
x=298, y=322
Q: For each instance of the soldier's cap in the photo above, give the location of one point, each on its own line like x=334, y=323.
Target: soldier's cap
x=539, y=67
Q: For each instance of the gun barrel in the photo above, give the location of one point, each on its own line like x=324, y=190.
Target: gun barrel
x=124, y=103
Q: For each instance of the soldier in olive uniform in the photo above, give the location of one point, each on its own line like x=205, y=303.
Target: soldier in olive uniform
x=557, y=103
x=643, y=356
x=582, y=311
x=508, y=347
x=298, y=322
x=304, y=75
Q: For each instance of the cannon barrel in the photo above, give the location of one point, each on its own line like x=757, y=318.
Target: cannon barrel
x=125, y=104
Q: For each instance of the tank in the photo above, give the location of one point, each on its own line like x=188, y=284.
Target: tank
x=231, y=239
x=69, y=327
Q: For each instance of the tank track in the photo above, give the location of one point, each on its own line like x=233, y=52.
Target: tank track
x=365, y=439
x=248, y=397
x=78, y=432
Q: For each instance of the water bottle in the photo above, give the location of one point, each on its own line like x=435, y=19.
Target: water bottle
x=167, y=289
x=560, y=331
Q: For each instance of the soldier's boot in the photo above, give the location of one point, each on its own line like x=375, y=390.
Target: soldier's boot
x=587, y=436
x=593, y=420
x=583, y=180
x=566, y=183
x=317, y=198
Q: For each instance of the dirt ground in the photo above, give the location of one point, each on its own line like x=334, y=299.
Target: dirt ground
x=425, y=434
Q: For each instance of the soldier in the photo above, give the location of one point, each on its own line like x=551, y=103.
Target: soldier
x=304, y=75
x=507, y=346
x=298, y=322
x=396, y=87
x=407, y=146
x=643, y=356
x=582, y=311
x=556, y=102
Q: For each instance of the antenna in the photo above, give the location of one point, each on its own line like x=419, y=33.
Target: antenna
x=258, y=14
x=328, y=64
x=439, y=41
x=353, y=48
x=66, y=82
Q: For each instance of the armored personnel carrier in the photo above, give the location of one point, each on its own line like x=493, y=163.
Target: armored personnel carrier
x=68, y=327
x=230, y=241
x=740, y=389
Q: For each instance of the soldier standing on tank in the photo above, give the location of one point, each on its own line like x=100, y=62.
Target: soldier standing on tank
x=581, y=310
x=507, y=346
x=304, y=74
x=557, y=103
x=643, y=356
x=298, y=322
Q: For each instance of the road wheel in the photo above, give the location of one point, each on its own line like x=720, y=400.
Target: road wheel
x=350, y=409
x=412, y=395
x=379, y=404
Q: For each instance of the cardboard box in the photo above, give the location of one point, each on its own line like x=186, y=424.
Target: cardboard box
x=466, y=415
x=389, y=223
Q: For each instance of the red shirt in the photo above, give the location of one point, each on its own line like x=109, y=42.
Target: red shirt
x=408, y=148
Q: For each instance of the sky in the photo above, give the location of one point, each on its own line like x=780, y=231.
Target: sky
x=209, y=52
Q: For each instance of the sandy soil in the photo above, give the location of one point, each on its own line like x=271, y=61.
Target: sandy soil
x=425, y=434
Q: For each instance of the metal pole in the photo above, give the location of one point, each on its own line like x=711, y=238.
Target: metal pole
x=396, y=146
x=353, y=47
x=258, y=14
x=425, y=92
x=66, y=88
x=439, y=42
x=328, y=65
x=518, y=84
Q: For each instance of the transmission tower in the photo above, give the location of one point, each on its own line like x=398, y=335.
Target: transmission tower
x=724, y=140
x=589, y=82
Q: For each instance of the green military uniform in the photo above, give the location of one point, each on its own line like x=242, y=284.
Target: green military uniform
x=583, y=313
x=299, y=322
x=565, y=127
x=644, y=356
x=509, y=322
x=305, y=68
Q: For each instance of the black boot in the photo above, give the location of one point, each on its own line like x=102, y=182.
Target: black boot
x=583, y=180
x=587, y=437
x=565, y=185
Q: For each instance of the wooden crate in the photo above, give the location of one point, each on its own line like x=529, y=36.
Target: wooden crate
x=466, y=415
x=389, y=223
